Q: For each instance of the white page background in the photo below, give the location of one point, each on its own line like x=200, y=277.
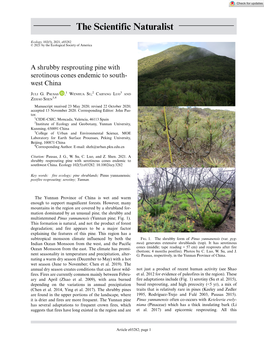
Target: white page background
x=18, y=332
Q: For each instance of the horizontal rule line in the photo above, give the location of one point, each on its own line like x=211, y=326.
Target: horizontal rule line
x=133, y=322
x=206, y=25
x=51, y=25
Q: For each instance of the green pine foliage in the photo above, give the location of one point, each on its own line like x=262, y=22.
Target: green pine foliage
x=176, y=216
x=198, y=138
x=185, y=75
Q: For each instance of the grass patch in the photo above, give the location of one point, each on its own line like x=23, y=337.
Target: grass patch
x=196, y=132
x=181, y=216
x=184, y=206
x=210, y=220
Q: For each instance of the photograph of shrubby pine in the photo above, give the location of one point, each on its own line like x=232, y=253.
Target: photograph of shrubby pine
x=201, y=74
x=186, y=137
x=186, y=200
